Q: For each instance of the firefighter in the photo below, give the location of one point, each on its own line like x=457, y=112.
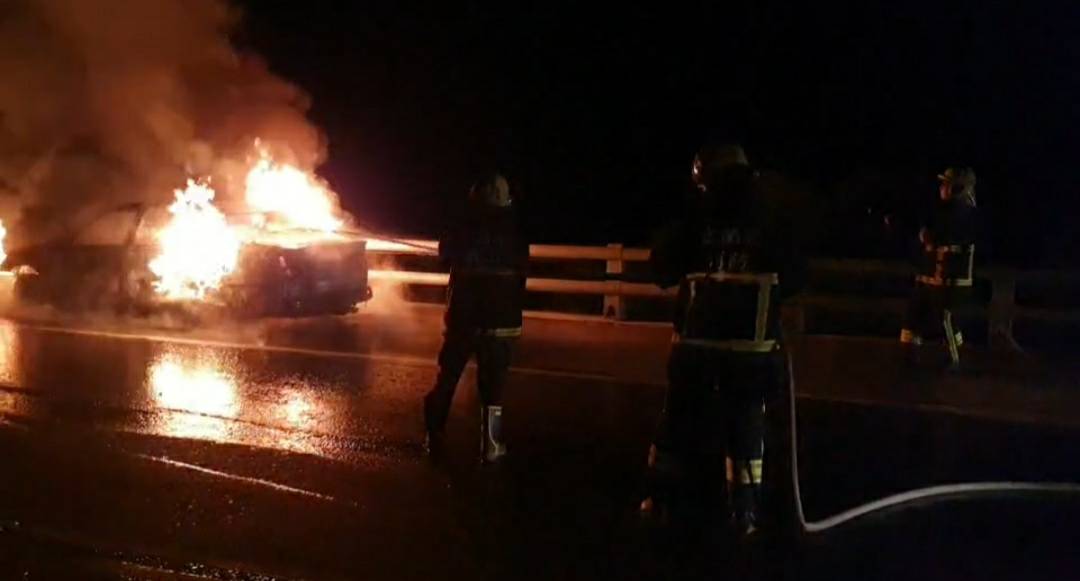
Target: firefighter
x=733, y=261
x=487, y=256
x=944, y=266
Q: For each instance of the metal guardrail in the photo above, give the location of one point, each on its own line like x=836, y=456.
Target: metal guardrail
x=1001, y=311
x=613, y=291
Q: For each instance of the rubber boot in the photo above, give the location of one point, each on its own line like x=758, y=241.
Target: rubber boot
x=492, y=447
x=744, y=513
x=434, y=430
x=654, y=506
x=744, y=479
x=953, y=340
x=911, y=347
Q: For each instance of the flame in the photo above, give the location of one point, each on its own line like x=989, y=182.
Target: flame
x=290, y=198
x=198, y=247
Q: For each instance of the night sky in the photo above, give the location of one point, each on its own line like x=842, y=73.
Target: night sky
x=596, y=112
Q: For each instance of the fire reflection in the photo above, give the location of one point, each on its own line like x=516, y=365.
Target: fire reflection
x=296, y=414
x=7, y=289
x=9, y=353
x=199, y=394
x=298, y=411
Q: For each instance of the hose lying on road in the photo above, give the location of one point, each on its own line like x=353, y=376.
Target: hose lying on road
x=919, y=495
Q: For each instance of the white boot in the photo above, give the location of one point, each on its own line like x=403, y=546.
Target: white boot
x=492, y=447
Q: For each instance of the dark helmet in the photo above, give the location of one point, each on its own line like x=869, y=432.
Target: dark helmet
x=961, y=183
x=492, y=190
x=712, y=160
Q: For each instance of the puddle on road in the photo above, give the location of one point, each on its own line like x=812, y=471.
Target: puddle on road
x=204, y=394
x=273, y=400
x=9, y=353
x=199, y=385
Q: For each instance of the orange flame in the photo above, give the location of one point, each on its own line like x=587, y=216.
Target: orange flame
x=289, y=197
x=198, y=248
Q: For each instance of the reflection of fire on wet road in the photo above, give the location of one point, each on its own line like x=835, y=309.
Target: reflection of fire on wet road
x=7, y=279
x=9, y=353
x=298, y=411
x=202, y=398
x=9, y=366
x=3, y=234
x=201, y=390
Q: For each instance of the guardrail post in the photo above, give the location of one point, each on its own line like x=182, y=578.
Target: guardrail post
x=1002, y=308
x=613, y=304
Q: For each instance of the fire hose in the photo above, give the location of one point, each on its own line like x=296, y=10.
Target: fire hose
x=962, y=490
x=368, y=235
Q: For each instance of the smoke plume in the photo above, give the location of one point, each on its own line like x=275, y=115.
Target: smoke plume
x=111, y=102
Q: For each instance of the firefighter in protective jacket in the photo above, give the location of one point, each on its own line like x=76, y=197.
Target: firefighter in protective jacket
x=487, y=256
x=734, y=261
x=944, y=265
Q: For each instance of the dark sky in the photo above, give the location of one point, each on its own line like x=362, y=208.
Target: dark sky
x=596, y=111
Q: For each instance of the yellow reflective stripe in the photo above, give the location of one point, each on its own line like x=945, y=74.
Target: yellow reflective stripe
x=761, y=323
x=950, y=338
x=746, y=474
x=743, y=345
x=501, y=332
x=939, y=281
x=764, y=281
x=764, y=278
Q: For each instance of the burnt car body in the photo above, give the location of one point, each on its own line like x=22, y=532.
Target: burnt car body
x=104, y=266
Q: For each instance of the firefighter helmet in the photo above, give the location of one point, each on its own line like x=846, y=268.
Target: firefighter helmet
x=710, y=161
x=492, y=190
x=960, y=184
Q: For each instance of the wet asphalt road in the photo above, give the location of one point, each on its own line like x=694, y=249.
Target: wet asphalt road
x=293, y=449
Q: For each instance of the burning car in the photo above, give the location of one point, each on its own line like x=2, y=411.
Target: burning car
x=109, y=265
x=280, y=251
x=116, y=262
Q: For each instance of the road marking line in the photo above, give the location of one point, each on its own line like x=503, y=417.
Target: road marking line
x=239, y=478
x=400, y=359
x=428, y=362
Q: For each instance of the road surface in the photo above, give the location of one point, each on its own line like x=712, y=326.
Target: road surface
x=293, y=449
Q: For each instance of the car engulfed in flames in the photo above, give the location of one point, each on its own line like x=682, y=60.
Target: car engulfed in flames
x=280, y=252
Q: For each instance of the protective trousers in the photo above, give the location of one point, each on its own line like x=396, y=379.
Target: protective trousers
x=714, y=407
x=493, y=356
x=929, y=317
